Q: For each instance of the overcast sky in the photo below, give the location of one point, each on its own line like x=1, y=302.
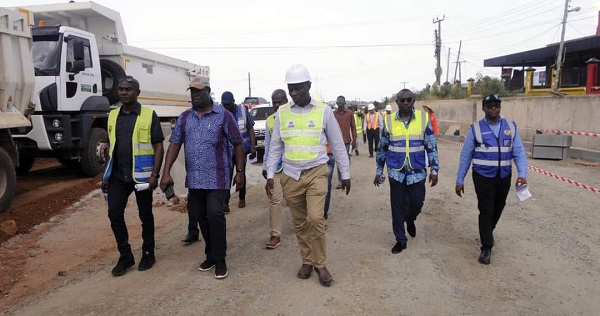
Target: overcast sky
x=360, y=49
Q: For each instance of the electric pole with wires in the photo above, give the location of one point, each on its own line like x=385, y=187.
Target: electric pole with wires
x=438, y=48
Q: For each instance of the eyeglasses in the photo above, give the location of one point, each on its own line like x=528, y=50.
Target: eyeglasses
x=127, y=79
x=402, y=100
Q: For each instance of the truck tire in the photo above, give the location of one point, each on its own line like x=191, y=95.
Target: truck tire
x=25, y=163
x=93, y=157
x=111, y=72
x=8, y=180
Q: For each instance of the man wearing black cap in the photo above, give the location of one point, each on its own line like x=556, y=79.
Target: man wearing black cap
x=492, y=144
x=246, y=127
x=135, y=156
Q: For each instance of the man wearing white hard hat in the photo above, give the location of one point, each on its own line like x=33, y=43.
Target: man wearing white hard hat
x=372, y=126
x=301, y=130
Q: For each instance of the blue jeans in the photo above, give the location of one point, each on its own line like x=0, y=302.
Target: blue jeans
x=330, y=165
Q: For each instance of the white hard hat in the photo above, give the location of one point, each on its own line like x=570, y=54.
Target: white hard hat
x=371, y=107
x=297, y=74
x=388, y=107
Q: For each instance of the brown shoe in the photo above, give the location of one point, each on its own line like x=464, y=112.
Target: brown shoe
x=273, y=242
x=339, y=186
x=241, y=204
x=305, y=271
x=325, y=277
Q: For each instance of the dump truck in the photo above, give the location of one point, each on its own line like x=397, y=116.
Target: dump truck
x=78, y=53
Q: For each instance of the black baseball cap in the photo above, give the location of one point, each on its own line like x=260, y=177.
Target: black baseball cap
x=491, y=98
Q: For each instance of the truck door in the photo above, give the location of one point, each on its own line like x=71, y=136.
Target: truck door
x=79, y=83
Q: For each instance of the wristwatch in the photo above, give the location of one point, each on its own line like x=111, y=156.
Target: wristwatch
x=156, y=175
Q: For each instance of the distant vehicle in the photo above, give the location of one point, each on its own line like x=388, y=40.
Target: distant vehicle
x=259, y=115
x=251, y=102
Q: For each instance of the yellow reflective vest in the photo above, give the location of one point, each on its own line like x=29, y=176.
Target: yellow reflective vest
x=406, y=144
x=358, y=121
x=301, y=133
x=142, y=149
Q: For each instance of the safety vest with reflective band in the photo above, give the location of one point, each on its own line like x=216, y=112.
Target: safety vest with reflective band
x=358, y=121
x=406, y=144
x=142, y=149
x=270, y=125
x=493, y=153
x=301, y=133
x=372, y=125
x=241, y=121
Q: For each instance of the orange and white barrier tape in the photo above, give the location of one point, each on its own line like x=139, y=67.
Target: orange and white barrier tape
x=544, y=172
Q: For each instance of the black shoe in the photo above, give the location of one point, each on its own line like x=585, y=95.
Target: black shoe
x=147, y=261
x=190, y=238
x=398, y=247
x=221, y=270
x=356, y=151
x=411, y=229
x=485, y=256
x=370, y=156
x=206, y=265
x=124, y=263
x=226, y=208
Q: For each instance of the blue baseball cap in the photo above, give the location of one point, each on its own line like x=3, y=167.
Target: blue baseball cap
x=227, y=98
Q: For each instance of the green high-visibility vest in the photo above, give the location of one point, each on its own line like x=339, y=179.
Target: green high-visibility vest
x=301, y=133
x=141, y=140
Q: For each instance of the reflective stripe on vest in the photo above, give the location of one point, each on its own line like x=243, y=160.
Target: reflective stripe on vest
x=270, y=126
x=493, y=153
x=241, y=121
x=370, y=124
x=359, y=123
x=142, y=149
x=406, y=145
x=301, y=133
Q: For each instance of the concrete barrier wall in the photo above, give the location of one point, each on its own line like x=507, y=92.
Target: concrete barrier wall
x=569, y=113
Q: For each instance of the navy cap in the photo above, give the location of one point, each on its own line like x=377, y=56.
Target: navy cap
x=227, y=98
x=491, y=98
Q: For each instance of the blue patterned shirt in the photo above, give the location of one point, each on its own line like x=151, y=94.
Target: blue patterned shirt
x=410, y=175
x=207, y=140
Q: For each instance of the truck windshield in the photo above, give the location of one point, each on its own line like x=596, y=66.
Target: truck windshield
x=46, y=58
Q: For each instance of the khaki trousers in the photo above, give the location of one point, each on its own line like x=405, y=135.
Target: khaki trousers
x=306, y=199
x=275, y=208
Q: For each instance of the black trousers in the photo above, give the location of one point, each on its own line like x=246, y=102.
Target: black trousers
x=491, y=199
x=118, y=194
x=208, y=207
x=373, y=136
x=407, y=202
x=242, y=189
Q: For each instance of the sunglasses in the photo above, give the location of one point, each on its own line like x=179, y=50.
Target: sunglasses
x=402, y=100
x=492, y=106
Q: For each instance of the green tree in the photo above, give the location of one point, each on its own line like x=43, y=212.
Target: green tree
x=488, y=85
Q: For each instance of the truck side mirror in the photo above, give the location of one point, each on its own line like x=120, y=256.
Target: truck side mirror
x=78, y=52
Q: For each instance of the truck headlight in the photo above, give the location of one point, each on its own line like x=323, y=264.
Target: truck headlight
x=58, y=137
x=56, y=123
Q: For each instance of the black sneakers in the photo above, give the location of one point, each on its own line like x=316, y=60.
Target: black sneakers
x=485, y=256
x=221, y=269
x=147, y=261
x=124, y=263
x=206, y=265
x=398, y=247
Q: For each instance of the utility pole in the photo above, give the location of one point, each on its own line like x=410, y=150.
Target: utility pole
x=438, y=47
x=448, y=65
x=249, y=88
x=404, y=84
x=559, y=56
x=457, y=60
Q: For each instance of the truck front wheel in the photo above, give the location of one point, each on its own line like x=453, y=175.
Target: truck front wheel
x=93, y=156
x=8, y=180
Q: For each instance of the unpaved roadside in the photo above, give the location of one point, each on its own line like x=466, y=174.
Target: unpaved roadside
x=546, y=262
